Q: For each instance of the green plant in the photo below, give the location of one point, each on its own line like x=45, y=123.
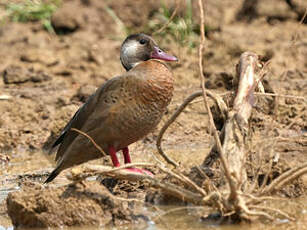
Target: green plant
x=182, y=28
x=33, y=11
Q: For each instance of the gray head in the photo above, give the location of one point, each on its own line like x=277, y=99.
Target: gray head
x=141, y=47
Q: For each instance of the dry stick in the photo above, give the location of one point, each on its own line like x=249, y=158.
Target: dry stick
x=219, y=101
x=281, y=95
x=257, y=174
x=207, y=178
x=168, y=123
x=110, y=170
x=169, y=20
x=300, y=23
x=266, y=177
x=260, y=94
x=179, y=176
x=253, y=200
x=168, y=188
x=184, y=179
x=216, y=135
x=273, y=210
x=285, y=178
x=248, y=213
x=91, y=139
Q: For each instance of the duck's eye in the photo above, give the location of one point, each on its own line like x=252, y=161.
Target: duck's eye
x=143, y=41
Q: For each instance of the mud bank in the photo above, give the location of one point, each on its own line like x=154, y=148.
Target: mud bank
x=86, y=204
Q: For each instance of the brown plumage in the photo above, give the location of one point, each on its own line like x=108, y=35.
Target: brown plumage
x=123, y=110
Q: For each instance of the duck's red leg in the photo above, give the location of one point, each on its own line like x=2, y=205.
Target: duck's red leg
x=126, y=155
x=128, y=160
x=112, y=152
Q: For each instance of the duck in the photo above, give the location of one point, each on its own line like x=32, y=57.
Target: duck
x=123, y=110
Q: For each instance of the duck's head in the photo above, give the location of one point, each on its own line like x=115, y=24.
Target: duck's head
x=141, y=47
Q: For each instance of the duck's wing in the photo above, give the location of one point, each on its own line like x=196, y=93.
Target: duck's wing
x=81, y=116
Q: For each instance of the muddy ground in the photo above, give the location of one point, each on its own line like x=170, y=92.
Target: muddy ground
x=46, y=77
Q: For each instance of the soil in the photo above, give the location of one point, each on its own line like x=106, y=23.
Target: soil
x=46, y=77
x=74, y=205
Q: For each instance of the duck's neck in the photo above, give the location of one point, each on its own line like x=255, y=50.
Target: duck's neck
x=128, y=64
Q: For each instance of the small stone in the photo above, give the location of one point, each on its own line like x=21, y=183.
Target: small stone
x=15, y=74
x=66, y=19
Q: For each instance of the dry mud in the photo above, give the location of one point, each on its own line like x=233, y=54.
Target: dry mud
x=46, y=77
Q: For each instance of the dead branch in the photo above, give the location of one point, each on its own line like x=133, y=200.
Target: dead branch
x=215, y=132
x=301, y=13
x=168, y=188
x=270, y=165
x=168, y=123
x=183, y=179
x=285, y=178
x=91, y=139
x=275, y=210
x=218, y=100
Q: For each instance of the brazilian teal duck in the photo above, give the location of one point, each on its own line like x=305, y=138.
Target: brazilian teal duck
x=123, y=110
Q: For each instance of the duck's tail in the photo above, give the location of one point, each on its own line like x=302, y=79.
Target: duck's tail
x=53, y=175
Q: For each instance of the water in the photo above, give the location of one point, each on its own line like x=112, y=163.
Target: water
x=176, y=218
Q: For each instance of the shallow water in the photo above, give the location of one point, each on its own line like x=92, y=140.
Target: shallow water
x=173, y=218
x=184, y=219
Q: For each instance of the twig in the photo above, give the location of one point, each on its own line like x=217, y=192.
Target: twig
x=169, y=20
x=248, y=213
x=266, y=177
x=130, y=165
x=280, y=95
x=207, y=178
x=285, y=178
x=218, y=100
x=253, y=200
x=183, y=179
x=212, y=125
x=259, y=94
x=285, y=215
x=256, y=169
x=91, y=139
x=168, y=188
x=168, y=123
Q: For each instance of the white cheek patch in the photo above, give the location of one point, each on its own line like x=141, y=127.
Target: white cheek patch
x=130, y=49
